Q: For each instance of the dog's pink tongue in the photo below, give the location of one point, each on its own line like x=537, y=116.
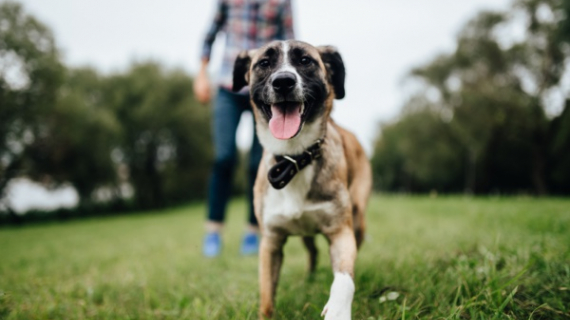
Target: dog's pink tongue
x=285, y=123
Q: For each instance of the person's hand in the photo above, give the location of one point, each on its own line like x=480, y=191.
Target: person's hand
x=202, y=87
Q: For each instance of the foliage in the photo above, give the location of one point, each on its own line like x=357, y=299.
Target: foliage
x=559, y=154
x=405, y=166
x=100, y=134
x=447, y=258
x=481, y=115
x=30, y=75
x=80, y=133
x=166, y=134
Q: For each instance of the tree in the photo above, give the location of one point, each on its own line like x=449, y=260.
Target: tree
x=494, y=91
x=93, y=132
x=79, y=136
x=166, y=136
x=479, y=86
x=30, y=76
x=418, y=153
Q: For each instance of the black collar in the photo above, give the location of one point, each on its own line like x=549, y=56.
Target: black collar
x=288, y=166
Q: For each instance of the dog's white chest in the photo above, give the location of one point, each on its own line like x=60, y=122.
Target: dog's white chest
x=288, y=209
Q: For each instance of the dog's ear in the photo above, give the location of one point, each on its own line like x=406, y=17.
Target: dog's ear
x=241, y=71
x=335, y=69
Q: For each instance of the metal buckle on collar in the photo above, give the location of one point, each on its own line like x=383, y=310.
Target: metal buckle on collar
x=294, y=162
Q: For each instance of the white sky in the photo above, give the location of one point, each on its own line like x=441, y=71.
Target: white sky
x=380, y=41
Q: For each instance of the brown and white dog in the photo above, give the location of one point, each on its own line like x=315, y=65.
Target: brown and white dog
x=314, y=176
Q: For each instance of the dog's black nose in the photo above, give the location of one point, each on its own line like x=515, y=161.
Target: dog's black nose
x=284, y=82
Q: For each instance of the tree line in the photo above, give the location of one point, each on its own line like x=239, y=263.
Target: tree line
x=481, y=119
x=137, y=137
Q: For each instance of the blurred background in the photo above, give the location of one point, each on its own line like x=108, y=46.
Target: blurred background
x=97, y=112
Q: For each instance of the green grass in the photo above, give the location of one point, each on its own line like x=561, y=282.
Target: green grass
x=447, y=258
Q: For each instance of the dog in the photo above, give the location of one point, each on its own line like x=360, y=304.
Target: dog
x=314, y=176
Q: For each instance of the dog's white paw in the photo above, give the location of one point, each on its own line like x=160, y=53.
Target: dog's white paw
x=336, y=312
x=340, y=301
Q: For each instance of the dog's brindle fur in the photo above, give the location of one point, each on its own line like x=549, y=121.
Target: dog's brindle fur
x=330, y=195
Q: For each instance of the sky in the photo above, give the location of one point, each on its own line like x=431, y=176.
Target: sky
x=380, y=42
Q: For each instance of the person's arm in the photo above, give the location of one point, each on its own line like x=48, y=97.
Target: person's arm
x=287, y=20
x=219, y=21
x=202, y=87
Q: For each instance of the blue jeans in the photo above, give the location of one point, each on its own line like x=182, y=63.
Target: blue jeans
x=228, y=108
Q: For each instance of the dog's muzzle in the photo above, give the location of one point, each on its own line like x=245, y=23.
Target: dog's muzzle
x=284, y=83
x=286, y=106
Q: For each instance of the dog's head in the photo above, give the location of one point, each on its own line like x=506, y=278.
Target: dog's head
x=292, y=85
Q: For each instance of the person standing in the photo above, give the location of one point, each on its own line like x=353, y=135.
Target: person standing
x=247, y=24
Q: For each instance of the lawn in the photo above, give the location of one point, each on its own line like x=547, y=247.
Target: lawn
x=424, y=258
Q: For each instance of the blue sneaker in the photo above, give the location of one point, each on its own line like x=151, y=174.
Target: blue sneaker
x=212, y=245
x=250, y=244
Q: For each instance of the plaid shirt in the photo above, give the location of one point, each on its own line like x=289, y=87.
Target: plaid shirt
x=248, y=24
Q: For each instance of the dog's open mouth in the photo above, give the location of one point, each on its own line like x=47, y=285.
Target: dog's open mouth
x=286, y=119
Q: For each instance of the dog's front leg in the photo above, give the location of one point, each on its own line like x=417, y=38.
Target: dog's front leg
x=270, y=259
x=343, y=255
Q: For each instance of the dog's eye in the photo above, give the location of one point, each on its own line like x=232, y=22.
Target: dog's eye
x=264, y=63
x=305, y=61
